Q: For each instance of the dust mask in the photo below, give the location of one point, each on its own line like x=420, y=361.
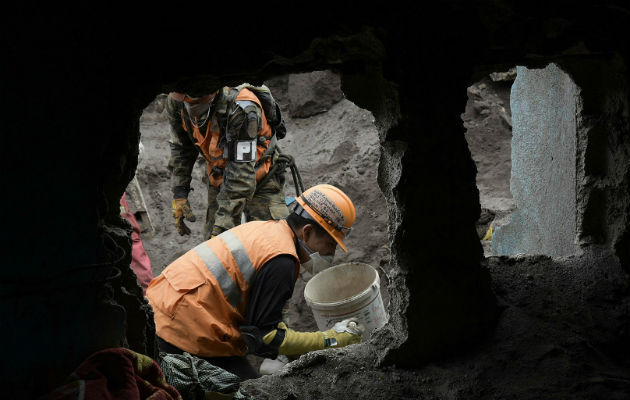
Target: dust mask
x=318, y=262
x=198, y=112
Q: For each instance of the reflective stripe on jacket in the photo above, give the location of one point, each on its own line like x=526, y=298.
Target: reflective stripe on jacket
x=200, y=299
x=208, y=142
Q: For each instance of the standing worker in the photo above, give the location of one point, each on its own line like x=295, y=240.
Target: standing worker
x=224, y=298
x=237, y=138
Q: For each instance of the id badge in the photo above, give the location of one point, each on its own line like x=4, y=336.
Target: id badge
x=245, y=150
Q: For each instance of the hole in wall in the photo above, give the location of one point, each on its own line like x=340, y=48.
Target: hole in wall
x=332, y=141
x=543, y=105
x=488, y=122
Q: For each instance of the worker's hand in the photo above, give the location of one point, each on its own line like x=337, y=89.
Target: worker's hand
x=350, y=325
x=181, y=210
x=297, y=343
x=343, y=333
x=216, y=231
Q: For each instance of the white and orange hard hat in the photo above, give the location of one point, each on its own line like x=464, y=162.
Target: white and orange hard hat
x=329, y=207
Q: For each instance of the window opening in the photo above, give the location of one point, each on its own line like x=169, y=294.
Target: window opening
x=331, y=140
x=543, y=104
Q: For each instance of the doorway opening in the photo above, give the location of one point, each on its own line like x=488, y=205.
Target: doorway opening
x=488, y=122
x=544, y=107
x=331, y=140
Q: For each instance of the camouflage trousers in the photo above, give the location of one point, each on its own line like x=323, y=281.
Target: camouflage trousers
x=267, y=203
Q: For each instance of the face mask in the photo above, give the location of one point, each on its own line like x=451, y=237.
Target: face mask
x=321, y=262
x=198, y=112
x=318, y=262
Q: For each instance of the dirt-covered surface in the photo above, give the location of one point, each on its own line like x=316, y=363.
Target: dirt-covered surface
x=562, y=334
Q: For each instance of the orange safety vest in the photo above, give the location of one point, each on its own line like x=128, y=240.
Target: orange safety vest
x=200, y=299
x=208, y=143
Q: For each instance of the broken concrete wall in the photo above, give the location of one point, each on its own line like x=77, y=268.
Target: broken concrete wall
x=544, y=145
x=603, y=170
x=570, y=174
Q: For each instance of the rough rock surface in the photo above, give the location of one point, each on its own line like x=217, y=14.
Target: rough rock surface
x=569, y=353
x=544, y=105
x=312, y=93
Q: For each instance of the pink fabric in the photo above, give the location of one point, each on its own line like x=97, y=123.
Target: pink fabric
x=140, y=262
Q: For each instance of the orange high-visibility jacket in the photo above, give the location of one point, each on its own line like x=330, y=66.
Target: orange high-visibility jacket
x=208, y=143
x=200, y=300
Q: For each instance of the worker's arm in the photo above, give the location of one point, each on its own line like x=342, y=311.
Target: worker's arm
x=295, y=343
x=239, y=176
x=183, y=152
x=183, y=156
x=268, y=296
x=267, y=335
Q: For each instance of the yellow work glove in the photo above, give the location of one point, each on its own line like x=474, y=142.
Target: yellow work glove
x=348, y=331
x=489, y=233
x=181, y=210
x=297, y=343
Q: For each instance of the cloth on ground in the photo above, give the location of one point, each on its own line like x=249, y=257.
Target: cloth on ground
x=116, y=373
x=197, y=379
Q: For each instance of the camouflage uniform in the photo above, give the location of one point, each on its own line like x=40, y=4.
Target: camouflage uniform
x=239, y=192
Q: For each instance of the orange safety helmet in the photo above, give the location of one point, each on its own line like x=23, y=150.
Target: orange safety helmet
x=329, y=207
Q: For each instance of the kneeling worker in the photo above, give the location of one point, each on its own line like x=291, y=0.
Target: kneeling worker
x=224, y=298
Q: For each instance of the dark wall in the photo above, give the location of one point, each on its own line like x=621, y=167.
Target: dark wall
x=74, y=86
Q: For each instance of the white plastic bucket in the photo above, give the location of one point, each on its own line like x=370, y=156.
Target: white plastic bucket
x=345, y=291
